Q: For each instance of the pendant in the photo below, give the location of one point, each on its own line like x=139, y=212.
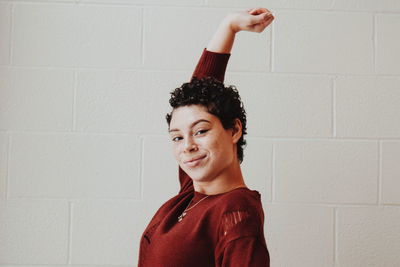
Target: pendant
x=181, y=216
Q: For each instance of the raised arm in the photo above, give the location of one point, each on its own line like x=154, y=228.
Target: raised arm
x=215, y=57
x=253, y=20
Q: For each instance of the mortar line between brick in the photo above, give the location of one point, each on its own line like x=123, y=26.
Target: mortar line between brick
x=336, y=246
x=294, y=204
x=79, y=199
x=272, y=49
x=379, y=189
x=374, y=41
x=273, y=173
x=142, y=32
x=207, y=5
x=8, y=156
x=141, y=167
x=74, y=100
x=11, y=29
x=331, y=204
x=186, y=70
x=154, y=134
x=124, y=4
x=70, y=213
x=334, y=133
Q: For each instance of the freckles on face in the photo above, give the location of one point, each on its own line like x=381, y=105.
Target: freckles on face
x=200, y=143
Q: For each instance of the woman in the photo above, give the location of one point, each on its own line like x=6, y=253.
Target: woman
x=215, y=220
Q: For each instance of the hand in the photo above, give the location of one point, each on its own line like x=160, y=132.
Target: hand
x=253, y=20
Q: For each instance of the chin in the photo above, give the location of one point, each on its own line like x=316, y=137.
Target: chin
x=197, y=175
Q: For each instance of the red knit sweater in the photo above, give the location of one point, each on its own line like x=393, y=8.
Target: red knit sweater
x=222, y=230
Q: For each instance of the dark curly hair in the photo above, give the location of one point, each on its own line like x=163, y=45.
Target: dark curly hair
x=223, y=102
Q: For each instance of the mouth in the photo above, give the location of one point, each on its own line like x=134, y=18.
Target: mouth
x=194, y=162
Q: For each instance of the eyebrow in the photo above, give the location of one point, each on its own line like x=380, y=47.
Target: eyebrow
x=193, y=124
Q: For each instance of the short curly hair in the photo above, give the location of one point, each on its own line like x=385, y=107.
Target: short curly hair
x=223, y=102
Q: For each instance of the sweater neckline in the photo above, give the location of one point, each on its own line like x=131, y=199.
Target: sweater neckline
x=197, y=195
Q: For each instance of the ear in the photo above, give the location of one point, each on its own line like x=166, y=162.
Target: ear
x=236, y=131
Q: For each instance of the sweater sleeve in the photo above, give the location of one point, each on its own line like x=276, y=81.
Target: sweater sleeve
x=210, y=64
x=244, y=252
x=241, y=239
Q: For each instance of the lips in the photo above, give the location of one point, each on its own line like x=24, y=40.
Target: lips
x=194, y=161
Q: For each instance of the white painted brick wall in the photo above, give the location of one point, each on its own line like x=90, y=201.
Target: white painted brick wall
x=323, y=42
x=3, y=165
x=290, y=108
x=368, y=236
x=85, y=160
x=301, y=235
x=390, y=154
x=368, y=106
x=36, y=99
x=328, y=171
x=388, y=43
x=5, y=22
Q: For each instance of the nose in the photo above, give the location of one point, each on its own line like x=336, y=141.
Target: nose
x=190, y=145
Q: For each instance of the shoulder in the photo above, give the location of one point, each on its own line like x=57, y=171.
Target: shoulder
x=241, y=211
x=240, y=214
x=240, y=199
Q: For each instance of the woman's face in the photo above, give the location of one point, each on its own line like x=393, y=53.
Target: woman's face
x=201, y=145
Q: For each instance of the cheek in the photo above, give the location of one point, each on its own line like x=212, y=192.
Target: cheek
x=175, y=151
x=217, y=147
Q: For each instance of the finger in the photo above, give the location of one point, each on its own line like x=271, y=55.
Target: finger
x=260, y=18
x=259, y=10
x=261, y=26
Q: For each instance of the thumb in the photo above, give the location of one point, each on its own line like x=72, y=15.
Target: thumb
x=260, y=18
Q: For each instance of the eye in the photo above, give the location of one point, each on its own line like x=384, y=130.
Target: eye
x=176, y=138
x=200, y=132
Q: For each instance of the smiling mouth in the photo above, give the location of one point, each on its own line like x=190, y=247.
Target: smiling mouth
x=194, y=162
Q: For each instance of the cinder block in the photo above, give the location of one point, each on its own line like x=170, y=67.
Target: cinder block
x=326, y=171
x=149, y=2
x=36, y=99
x=257, y=166
x=34, y=232
x=5, y=20
x=271, y=4
x=365, y=5
x=77, y=35
x=160, y=180
x=281, y=105
x=183, y=50
x=368, y=107
x=109, y=36
x=323, y=42
x=388, y=43
x=58, y=265
x=390, y=172
x=74, y=166
x=305, y=233
x=124, y=101
x=3, y=164
x=107, y=232
x=368, y=236
x=45, y=34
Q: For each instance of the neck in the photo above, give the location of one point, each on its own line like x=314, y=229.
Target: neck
x=228, y=180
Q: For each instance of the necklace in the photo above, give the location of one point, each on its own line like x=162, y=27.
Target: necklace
x=180, y=218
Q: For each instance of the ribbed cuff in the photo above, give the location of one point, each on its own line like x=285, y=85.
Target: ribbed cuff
x=211, y=64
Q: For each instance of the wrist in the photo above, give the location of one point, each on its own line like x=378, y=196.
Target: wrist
x=228, y=25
